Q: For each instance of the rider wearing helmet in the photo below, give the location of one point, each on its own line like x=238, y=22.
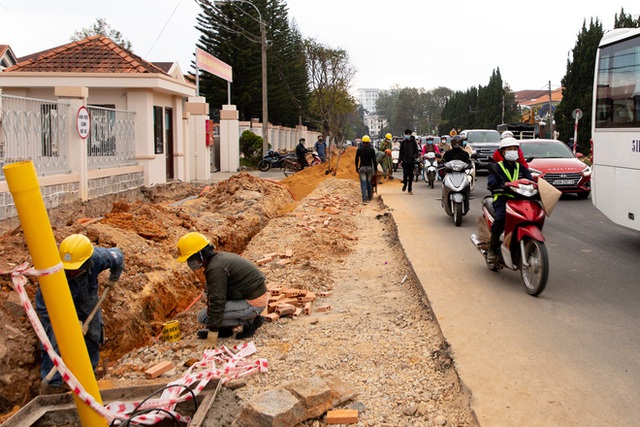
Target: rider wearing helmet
x=430, y=147
x=506, y=170
x=456, y=152
x=236, y=291
x=497, y=157
x=82, y=263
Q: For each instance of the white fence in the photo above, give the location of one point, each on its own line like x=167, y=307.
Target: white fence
x=34, y=129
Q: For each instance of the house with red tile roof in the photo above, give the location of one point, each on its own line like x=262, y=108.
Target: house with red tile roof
x=103, y=74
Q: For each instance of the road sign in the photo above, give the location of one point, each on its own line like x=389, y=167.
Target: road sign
x=83, y=122
x=577, y=114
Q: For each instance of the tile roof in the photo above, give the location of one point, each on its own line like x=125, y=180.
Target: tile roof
x=556, y=97
x=96, y=54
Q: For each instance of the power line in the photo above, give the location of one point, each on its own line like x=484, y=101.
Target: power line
x=163, y=28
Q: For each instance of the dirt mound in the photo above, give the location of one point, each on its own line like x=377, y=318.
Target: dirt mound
x=154, y=287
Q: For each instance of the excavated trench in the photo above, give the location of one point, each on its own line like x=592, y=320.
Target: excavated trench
x=154, y=287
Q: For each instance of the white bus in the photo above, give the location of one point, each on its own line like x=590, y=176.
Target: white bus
x=615, y=128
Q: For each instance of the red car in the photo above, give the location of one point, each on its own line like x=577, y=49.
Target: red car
x=552, y=160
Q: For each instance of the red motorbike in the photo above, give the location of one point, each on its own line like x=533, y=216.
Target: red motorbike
x=522, y=243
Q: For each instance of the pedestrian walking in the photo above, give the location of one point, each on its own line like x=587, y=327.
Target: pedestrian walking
x=320, y=147
x=366, y=165
x=408, y=154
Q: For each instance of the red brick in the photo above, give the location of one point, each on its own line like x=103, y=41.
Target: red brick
x=342, y=416
x=159, y=369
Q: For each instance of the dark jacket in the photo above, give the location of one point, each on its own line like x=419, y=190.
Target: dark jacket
x=497, y=177
x=301, y=154
x=84, y=290
x=456, y=154
x=366, y=156
x=409, y=150
x=230, y=277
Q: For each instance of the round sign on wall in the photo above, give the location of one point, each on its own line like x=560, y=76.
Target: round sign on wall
x=83, y=122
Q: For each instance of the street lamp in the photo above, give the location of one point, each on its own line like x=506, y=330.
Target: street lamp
x=263, y=42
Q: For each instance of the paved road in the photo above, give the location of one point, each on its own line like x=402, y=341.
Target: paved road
x=567, y=358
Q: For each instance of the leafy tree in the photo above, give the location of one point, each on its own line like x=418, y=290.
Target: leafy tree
x=577, y=85
x=231, y=33
x=484, y=107
x=626, y=21
x=101, y=27
x=330, y=75
x=251, y=146
x=412, y=108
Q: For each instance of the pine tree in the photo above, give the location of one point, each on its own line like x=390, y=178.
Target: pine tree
x=625, y=21
x=231, y=33
x=577, y=85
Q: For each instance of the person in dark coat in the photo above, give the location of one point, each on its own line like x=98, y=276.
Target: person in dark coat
x=366, y=166
x=409, y=152
x=301, y=153
x=82, y=263
x=507, y=170
x=236, y=289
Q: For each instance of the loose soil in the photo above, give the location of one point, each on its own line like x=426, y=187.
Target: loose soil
x=379, y=334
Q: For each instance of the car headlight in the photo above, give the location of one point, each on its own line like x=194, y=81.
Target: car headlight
x=535, y=172
x=586, y=171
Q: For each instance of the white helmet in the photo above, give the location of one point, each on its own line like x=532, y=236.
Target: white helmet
x=509, y=142
x=506, y=134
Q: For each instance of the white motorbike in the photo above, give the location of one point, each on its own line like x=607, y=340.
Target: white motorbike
x=455, y=190
x=430, y=168
x=395, y=158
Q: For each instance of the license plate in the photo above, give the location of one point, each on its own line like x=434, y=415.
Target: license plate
x=564, y=182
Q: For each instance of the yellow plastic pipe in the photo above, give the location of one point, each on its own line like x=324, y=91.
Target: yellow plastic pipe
x=23, y=184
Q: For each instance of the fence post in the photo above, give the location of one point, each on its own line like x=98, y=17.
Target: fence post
x=77, y=97
x=229, y=139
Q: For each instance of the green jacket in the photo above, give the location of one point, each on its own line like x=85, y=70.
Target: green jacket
x=230, y=277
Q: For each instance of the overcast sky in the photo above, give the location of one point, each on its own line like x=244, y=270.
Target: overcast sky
x=413, y=43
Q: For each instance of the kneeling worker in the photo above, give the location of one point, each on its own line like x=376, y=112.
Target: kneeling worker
x=236, y=290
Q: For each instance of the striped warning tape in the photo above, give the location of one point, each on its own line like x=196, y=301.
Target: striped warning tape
x=223, y=364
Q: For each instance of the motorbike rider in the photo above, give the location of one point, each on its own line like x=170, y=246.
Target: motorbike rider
x=430, y=147
x=301, y=153
x=507, y=170
x=498, y=157
x=443, y=145
x=456, y=153
x=408, y=154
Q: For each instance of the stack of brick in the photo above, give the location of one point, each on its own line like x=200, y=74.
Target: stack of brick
x=291, y=302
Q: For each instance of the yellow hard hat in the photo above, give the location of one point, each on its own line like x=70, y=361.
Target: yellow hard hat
x=74, y=251
x=190, y=244
x=389, y=136
x=366, y=138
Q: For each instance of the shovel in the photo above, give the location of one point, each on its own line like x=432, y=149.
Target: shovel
x=85, y=325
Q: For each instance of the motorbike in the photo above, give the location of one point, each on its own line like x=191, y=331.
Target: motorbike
x=395, y=158
x=455, y=190
x=417, y=169
x=291, y=165
x=273, y=159
x=430, y=168
x=522, y=245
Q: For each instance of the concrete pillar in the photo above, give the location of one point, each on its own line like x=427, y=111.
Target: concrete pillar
x=198, y=110
x=76, y=96
x=229, y=139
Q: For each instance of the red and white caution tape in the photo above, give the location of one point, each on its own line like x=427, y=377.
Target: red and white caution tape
x=223, y=364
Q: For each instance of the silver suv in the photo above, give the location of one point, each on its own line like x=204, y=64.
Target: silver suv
x=484, y=142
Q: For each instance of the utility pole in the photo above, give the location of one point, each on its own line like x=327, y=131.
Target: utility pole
x=550, y=125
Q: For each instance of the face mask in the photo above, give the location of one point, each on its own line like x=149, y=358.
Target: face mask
x=194, y=264
x=430, y=142
x=195, y=261
x=511, y=155
x=407, y=136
